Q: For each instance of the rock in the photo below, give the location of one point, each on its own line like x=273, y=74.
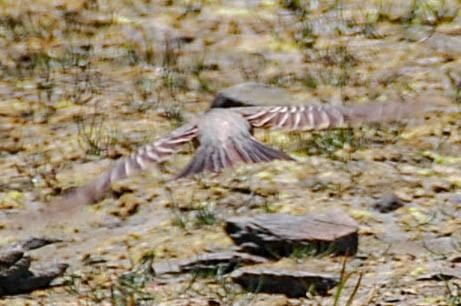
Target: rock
x=443, y=275
x=443, y=245
x=448, y=45
x=293, y=284
x=15, y=276
x=456, y=199
x=36, y=243
x=388, y=203
x=276, y=235
x=441, y=43
x=200, y=301
x=222, y=262
x=252, y=94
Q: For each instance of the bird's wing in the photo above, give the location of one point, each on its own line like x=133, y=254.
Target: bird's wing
x=293, y=118
x=320, y=117
x=56, y=211
x=156, y=152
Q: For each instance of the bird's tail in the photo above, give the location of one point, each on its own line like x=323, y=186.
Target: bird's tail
x=214, y=158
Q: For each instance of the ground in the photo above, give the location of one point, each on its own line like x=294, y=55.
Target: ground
x=84, y=83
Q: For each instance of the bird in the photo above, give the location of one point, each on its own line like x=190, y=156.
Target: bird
x=224, y=132
x=223, y=135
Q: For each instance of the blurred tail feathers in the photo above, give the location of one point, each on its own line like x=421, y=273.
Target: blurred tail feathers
x=216, y=158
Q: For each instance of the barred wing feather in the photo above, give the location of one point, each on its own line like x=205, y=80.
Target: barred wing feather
x=157, y=152
x=321, y=117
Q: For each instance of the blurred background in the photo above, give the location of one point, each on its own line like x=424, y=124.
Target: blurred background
x=83, y=83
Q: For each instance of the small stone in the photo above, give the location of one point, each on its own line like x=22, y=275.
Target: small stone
x=439, y=186
x=293, y=284
x=222, y=262
x=388, y=203
x=446, y=274
x=456, y=199
x=200, y=301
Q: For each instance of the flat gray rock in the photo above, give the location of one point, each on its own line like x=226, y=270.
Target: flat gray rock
x=276, y=235
x=222, y=262
x=443, y=274
x=293, y=284
x=15, y=276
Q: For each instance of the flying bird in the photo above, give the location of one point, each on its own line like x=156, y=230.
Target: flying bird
x=224, y=133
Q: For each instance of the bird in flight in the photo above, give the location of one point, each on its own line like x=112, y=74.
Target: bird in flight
x=225, y=132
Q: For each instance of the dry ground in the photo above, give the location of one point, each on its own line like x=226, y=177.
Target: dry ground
x=86, y=82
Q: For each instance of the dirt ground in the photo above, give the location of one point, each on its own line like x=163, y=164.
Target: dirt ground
x=84, y=83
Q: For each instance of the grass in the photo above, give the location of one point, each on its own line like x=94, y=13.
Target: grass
x=206, y=215
x=453, y=293
x=317, y=249
x=329, y=142
x=344, y=279
x=59, y=56
x=93, y=135
x=99, y=285
x=130, y=286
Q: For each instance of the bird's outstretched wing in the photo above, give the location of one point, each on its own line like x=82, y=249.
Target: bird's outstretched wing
x=147, y=155
x=293, y=118
x=225, y=139
x=321, y=117
x=56, y=211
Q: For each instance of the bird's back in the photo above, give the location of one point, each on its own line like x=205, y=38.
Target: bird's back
x=225, y=140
